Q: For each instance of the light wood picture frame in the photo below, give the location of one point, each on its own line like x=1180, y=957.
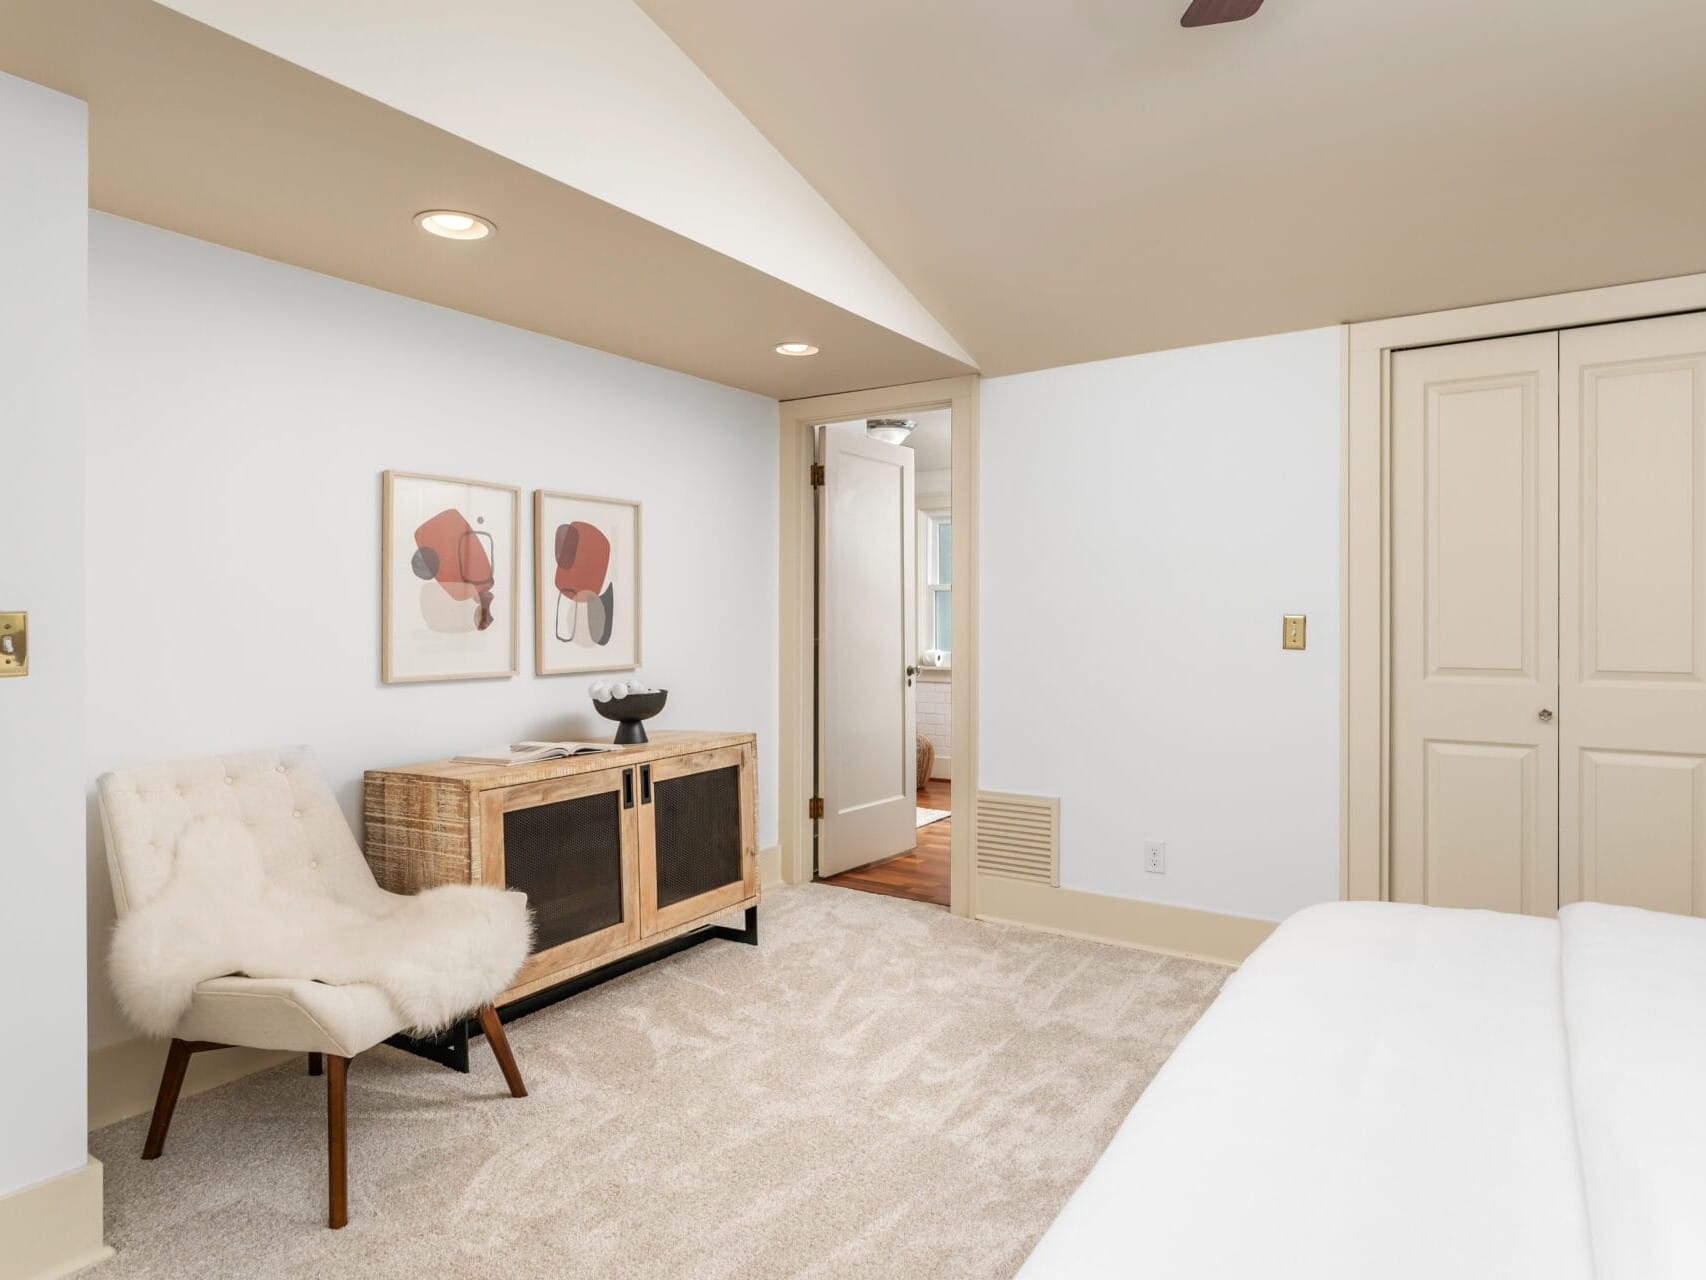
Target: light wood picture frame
x=586, y=583
x=449, y=579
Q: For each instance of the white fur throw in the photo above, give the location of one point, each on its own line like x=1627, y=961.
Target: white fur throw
x=438, y=955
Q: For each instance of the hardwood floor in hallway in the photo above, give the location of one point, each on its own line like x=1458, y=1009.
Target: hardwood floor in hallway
x=921, y=874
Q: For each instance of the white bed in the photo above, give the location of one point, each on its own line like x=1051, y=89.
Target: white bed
x=1386, y=1092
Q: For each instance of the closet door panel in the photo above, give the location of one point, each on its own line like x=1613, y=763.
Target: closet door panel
x=1632, y=525
x=1642, y=829
x=1475, y=638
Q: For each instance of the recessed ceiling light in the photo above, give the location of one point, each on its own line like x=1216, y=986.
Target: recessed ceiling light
x=454, y=225
x=795, y=349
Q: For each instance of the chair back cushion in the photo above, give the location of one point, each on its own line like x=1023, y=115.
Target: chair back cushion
x=280, y=795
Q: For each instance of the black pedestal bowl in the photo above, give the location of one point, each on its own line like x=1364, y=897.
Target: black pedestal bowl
x=630, y=712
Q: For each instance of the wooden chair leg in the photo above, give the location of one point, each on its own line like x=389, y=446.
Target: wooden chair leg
x=493, y=1026
x=337, y=1168
x=316, y=1064
x=166, y=1101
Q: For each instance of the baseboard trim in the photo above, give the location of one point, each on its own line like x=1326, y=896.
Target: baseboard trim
x=1131, y=922
x=125, y=1077
x=53, y=1228
x=770, y=867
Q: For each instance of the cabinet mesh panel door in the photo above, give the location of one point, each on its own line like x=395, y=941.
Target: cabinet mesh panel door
x=567, y=858
x=697, y=824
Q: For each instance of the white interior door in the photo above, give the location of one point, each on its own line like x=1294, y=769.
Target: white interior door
x=1475, y=625
x=1633, y=593
x=867, y=646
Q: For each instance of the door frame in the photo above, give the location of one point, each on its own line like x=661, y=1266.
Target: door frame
x=1365, y=533
x=798, y=566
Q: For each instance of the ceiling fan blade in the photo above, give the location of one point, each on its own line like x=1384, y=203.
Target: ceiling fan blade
x=1206, y=13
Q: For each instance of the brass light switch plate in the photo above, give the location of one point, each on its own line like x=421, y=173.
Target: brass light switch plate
x=14, y=644
x=1296, y=633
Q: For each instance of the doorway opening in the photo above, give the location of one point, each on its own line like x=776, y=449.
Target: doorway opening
x=883, y=674
x=822, y=740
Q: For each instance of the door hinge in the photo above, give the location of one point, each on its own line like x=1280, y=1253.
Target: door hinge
x=814, y=808
x=817, y=475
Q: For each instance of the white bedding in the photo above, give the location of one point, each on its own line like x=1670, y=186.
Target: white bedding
x=1386, y=1091
x=1635, y=1019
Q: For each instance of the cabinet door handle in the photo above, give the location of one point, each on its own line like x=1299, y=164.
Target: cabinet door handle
x=645, y=784
x=627, y=788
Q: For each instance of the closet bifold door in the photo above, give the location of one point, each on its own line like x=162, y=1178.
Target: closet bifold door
x=1474, y=674
x=572, y=845
x=1632, y=714
x=698, y=835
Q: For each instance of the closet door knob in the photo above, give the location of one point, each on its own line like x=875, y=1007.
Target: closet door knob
x=1545, y=715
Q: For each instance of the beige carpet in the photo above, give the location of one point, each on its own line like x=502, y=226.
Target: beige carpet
x=879, y=1089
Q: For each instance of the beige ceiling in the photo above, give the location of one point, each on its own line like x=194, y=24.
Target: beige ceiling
x=1068, y=181
x=200, y=133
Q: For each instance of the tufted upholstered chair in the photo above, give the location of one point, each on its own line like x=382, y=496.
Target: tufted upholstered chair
x=303, y=838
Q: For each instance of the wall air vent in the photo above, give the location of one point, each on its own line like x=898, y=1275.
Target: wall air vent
x=1018, y=837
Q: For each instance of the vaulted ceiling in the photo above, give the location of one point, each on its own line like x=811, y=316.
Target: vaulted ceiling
x=917, y=188
x=1072, y=180
x=637, y=211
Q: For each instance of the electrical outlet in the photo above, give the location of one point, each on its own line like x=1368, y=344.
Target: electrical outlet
x=1155, y=857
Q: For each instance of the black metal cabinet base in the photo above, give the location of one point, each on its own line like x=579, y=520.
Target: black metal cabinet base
x=449, y=1048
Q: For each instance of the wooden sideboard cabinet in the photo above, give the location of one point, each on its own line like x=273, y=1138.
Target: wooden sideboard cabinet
x=617, y=852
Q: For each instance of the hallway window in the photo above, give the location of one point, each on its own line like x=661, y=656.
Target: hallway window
x=936, y=620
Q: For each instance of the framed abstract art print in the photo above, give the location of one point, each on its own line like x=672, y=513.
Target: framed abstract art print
x=449, y=579
x=586, y=587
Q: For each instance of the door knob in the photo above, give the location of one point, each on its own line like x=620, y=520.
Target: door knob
x=910, y=672
x=1545, y=716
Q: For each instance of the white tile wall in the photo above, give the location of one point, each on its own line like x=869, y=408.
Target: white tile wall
x=935, y=700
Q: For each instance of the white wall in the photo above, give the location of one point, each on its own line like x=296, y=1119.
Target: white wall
x=1145, y=524
x=43, y=341
x=241, y=413
x=933, y=489
x=934, y=702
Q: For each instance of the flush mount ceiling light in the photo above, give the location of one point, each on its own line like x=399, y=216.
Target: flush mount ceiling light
x=889, y=430
x=795, y=349
x=454, y=225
